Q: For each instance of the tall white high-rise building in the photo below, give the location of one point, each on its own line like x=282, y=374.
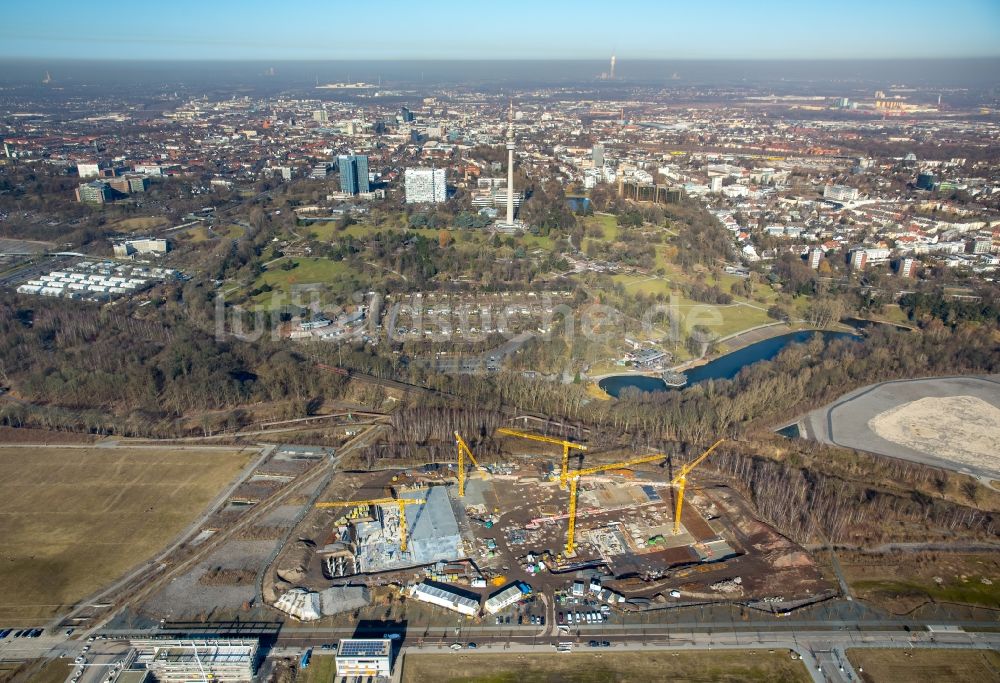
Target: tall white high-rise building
x=425, y=186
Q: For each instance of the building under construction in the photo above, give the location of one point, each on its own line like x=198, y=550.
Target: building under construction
x=533, y=517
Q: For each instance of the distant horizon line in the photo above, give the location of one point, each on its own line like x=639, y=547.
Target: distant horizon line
x=619, y=58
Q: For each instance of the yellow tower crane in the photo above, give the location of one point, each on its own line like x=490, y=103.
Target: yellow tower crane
x=575, y=477
x=400, y=502
x=680, y=481
x=464, y=450
x=567, y=445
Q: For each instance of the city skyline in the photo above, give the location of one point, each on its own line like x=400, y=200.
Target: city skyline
x=631, y=30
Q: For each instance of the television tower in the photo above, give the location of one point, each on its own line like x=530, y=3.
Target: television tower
x=611, y=74
x=510, y=164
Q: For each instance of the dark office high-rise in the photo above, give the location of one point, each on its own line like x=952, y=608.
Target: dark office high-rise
x=353, y=173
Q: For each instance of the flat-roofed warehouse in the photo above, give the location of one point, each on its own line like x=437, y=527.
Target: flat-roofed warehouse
x=445, y=597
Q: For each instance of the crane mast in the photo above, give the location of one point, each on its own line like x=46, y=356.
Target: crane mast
x=463, y=451
x=574, y=479
x=680, y=481
x=401, y=503
x=566, y=446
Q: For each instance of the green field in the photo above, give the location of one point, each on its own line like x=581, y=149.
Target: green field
x=551, y=667
x=306, y=271
x=972, y=592
x=721, y=319
x=200, y=233
x=326, y=232
x=321, y=669
x=609, y=224
x=529, y=242
x=899, y=584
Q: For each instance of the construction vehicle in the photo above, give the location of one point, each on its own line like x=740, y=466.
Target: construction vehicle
x=680, y=481
x=566, y=445
x=463, y=451
x=400, y=502
x=575, y=478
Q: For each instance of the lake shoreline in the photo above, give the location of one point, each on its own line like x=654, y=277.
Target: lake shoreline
x=725, y=366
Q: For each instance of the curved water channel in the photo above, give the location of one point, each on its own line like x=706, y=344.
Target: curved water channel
x=724, y=367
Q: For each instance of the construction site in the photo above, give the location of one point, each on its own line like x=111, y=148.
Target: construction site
x=543, y=522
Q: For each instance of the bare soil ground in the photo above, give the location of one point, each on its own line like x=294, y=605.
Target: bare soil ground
x=961, y=428
x=9, y=435
x=940, y=666
x=73, y=520
x=683, y=667
x=35, y=671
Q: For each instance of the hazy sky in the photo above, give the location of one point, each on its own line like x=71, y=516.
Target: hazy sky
x=472, y=29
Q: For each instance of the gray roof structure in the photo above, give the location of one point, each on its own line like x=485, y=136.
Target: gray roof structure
x=338, y=599
x=432, y=528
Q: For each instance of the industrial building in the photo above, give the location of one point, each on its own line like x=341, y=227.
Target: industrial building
x=443, y=596
x=198, y=660
x=364, y=658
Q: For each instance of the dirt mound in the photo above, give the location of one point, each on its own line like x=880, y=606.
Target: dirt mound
x=794, y=559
